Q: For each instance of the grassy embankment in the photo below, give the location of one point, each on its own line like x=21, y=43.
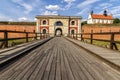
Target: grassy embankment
x=102, y=44
x=17, y=42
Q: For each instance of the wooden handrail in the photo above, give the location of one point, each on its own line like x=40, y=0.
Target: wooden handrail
x=6, y=36
x=111, y=40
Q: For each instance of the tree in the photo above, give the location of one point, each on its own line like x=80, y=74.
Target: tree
x=116, y=20
x=84, y=22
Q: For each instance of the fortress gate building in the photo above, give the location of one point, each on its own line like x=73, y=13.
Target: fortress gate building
x=58, y=25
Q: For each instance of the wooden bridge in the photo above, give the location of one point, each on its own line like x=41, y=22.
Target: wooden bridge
x=59, y=58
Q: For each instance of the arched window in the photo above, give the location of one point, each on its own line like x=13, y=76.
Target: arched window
x=44, y=31
x=72, y=31
x=73, y=23
x=59, y=23
x=44, y=22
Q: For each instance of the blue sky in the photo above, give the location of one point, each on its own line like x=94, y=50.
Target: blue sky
x=26, y=10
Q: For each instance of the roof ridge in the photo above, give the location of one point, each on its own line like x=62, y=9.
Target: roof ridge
x=101, y=16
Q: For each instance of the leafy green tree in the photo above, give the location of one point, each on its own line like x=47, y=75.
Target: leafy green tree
x=116, y=20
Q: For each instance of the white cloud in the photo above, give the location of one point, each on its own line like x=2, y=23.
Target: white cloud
x=69, y=1
x=105, y=5
x=52, y=7
x=86, y=10
x=117, y=15
x=114, y=0
x=10, y=20
x=86, y=3
x=28, y=7
x=115, y=11
x=22, y=19
x=50, y=13
x=69, y=4
x=17, y=0
x=4, y=17
x=35, y=19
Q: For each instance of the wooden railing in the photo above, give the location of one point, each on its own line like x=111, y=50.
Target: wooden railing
x=5, y=39
x=90, y=36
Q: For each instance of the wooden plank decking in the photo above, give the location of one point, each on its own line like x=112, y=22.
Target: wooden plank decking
x=59, y=59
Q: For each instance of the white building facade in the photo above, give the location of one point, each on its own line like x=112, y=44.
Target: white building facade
x=99, y=18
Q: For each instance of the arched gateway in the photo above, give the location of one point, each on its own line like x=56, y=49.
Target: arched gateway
x=58, y=25
x=58, y=32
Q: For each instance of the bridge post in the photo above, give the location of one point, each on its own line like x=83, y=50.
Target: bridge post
x=6, y=39
x=112, y=43
x=81, y=36
x=76, y=36
x=36, y=36
x=26, y=36
x=91, y=37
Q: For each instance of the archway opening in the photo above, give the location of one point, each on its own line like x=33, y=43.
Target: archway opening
x=58, y=23
x=58, y=32
x=44, y=31
x=72, y=32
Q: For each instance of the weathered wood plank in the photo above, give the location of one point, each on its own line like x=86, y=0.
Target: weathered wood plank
x=14, y=68
x=36, y=71
x=58, y=67
x=64, y=74
x=53, y=67
x=42, y=69
x=59, y=59
x=79, y=64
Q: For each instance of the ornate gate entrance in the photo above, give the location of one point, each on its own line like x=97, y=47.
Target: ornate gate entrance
x=58, y=32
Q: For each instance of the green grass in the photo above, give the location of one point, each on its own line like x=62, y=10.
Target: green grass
x=102, y=43
x=20, y=41
x=17, y=42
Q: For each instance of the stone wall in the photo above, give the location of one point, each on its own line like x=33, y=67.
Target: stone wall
x=27, y=28
x=101, y=28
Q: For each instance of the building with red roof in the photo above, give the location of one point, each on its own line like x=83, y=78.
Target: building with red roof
x=100, y=18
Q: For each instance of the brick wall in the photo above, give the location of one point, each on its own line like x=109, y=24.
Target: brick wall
x=27, y=28
x=97, y=29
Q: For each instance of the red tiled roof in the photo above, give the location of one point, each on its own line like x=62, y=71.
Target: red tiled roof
x=99, y=16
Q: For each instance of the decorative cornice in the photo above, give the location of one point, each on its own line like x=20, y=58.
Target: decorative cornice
x=57, y=17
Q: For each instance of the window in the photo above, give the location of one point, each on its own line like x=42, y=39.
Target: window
x=73, y=23
x=44, y=31
x=44, y=22
x=59, y=23
x=72, y=32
